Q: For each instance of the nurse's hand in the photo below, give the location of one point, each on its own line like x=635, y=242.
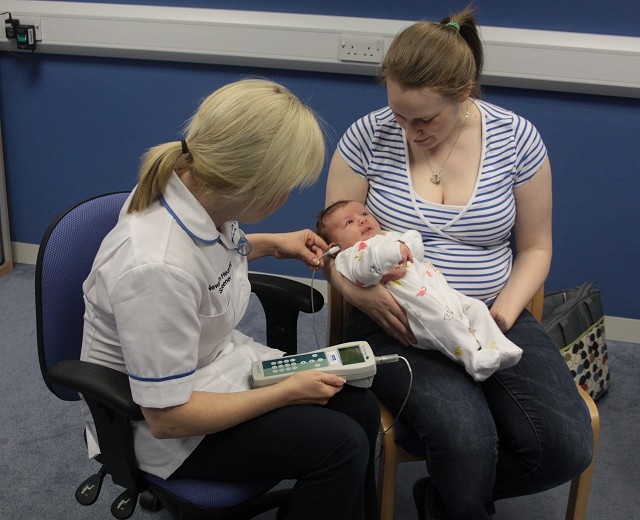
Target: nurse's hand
x=302, y=245
x=311, y=387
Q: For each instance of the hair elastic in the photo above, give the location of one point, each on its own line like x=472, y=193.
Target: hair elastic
x=185, y=148
x=454, y=25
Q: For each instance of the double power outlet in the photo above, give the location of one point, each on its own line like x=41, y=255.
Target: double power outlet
x=357, y=48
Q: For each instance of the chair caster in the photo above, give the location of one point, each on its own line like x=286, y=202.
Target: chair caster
x=149, y=501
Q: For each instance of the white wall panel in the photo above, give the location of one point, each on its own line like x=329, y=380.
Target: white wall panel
x=549, y=60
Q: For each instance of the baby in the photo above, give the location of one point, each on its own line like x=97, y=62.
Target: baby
x=440, y=317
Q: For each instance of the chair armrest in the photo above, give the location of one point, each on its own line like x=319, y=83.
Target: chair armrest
x=286, y=291
x=536, y=304
x=282, y=300
x=108, y=395
x=97, y=383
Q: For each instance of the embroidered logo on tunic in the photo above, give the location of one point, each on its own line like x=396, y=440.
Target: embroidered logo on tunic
x=223, y=279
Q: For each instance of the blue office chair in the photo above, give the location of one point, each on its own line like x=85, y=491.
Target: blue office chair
x=64, y=260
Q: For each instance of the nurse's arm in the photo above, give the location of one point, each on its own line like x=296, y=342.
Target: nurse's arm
x=303, y=245
x=208, y=412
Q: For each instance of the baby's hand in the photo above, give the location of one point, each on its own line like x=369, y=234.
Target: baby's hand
x=405, y=253
x=398, y=271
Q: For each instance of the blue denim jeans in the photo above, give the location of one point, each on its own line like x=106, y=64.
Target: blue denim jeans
x=523, y=430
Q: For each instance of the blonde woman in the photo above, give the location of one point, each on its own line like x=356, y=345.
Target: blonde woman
x=169, y=285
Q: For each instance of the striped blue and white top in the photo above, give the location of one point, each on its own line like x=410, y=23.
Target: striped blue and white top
x=469, y=244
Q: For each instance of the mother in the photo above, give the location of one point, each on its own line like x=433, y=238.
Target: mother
x=468, y=175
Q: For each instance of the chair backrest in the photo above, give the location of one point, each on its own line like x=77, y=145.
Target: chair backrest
x=65, y=257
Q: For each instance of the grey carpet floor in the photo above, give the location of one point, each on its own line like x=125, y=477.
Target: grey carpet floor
x=42, y=457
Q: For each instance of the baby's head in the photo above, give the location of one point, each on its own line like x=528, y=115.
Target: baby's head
x=346, y=222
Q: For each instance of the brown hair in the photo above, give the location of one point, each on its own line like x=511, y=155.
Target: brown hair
x=445, y=56
x=321, y=227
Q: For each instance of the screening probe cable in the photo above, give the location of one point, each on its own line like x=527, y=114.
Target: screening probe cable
x=380, y=360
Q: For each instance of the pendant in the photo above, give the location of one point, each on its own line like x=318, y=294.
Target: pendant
x=435, y=178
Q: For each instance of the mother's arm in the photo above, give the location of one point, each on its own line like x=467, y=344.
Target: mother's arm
x=375, y=301
x=533, y=247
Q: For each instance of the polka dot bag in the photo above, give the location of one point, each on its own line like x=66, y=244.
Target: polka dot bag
x=575, y=320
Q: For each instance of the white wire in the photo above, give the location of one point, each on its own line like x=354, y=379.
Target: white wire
x=313, y=312
x=406, y=398
x=315, y=335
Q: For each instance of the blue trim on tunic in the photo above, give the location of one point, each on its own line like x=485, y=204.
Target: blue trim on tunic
x=161, y=379
x=165, y=204
x=243, y=248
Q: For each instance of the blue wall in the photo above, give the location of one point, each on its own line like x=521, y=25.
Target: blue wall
x=591, y=16
x=74, y=127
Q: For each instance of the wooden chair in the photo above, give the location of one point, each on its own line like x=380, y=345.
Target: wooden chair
x=393, y=454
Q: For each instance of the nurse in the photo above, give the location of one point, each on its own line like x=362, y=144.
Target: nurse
x=169, y=285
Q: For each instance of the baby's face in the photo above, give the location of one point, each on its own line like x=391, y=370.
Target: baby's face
x=350, y=224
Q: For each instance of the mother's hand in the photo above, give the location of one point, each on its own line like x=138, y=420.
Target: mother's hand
x=378, y=303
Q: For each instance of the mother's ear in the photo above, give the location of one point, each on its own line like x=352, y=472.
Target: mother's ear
x=465, y=95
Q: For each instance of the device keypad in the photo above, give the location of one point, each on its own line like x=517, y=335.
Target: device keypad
x=296, y=363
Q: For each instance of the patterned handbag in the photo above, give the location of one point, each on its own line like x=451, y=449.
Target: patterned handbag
x=575, y=320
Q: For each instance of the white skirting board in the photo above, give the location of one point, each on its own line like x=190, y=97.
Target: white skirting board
x=622, y=329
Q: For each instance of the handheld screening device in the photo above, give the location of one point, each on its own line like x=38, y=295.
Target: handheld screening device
x=353, y=361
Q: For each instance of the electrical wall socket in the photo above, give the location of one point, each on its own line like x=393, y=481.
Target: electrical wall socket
x=368, y=49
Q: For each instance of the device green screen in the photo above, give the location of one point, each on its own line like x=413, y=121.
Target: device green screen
x=351, y=355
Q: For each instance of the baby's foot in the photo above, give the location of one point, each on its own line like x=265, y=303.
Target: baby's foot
x=510, y=353
x=483, y=363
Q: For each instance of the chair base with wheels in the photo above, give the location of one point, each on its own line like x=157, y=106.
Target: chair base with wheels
x=400, y=444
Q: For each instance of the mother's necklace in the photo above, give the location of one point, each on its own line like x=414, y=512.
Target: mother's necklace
x=436, y=177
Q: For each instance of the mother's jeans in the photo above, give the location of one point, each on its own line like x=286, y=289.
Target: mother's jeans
x=523, y=430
